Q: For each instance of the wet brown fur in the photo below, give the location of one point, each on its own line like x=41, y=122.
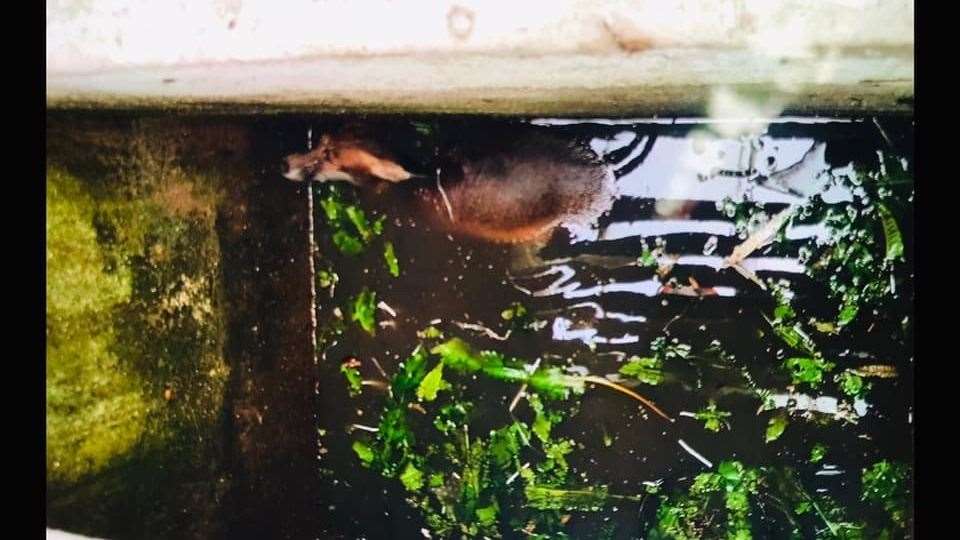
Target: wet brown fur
x=513, y=185
x=519, y=188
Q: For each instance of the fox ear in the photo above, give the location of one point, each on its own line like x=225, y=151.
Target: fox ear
x=389, y=171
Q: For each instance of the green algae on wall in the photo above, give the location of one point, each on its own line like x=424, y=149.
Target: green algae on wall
x=95, y=411
x=135, y=333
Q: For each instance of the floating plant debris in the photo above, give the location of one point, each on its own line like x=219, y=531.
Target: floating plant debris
x=528, y=369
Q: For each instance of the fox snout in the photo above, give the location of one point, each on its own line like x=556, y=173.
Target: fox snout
x=292, y=170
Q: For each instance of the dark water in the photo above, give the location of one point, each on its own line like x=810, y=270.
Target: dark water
x=285, y=447
x=601, y=307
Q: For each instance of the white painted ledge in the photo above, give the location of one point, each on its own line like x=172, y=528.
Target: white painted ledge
x=478, y=56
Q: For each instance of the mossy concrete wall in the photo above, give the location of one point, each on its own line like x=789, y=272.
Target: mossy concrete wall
x=136, y=374
x=180, y=363
x=568, y=57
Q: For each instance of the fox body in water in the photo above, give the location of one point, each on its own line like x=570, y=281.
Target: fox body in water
x=507, y=186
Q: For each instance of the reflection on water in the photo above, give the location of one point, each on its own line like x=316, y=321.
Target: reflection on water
x=655, y=265
x=677, y=190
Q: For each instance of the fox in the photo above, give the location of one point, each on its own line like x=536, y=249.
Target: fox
x=511, y=184
x=345, y=158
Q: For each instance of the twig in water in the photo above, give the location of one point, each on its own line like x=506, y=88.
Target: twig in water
x=386, y=307
x=675, y=318
x=516, y=474
x=624, y=390
x=380, y=385
x=417, y=407
x=755, y=241
x=379, y=367
x=695, y=454
x=749, y=274
x=523, y=389
x=483, y=329
x=759, y=238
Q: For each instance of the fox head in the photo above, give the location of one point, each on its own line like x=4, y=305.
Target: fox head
x=341, y=160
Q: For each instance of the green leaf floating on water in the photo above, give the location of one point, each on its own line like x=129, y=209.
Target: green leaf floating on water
x=395, y=440
x=505, y=444
x=363, y=226
x=551, y=382
x=354, y=380
x=713, y=418
x=669, y=350
x=347, y=243
x=646, y=370
x=886, y=483
x=818, y=452
x=731, y=471
x=487, y=515
x=783, y=312
x=431, y=384
x=364, y=310
x=327, y=279
x=411, y=477
x=451, y=417
x=343, y=217
x=582, y=500
x=851, y=384
x=891, y=233
x=648, y=257
x=516, y=310
x=474, y=497
x=808, y=370
x=848, y=312
x=717, y=505
x=391, y=259
x=430, y=332
x=554, y=383
x=792, y=335
x=332, y=209
x=555, y=467
x=456, y=354
x=363, y=451
x=519, y=318
x=776, y=427
x=544, y=420
x=542, y=427
x=412, y=372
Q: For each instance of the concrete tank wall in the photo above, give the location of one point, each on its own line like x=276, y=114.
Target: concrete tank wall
x=494, y=56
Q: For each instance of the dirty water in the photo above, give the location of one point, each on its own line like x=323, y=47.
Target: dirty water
x=280, y=457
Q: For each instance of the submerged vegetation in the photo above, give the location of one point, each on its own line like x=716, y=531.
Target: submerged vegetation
x=515, y=477
x=470, y=470
x=352, y=232
x=727, y=503
x=861, y=255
